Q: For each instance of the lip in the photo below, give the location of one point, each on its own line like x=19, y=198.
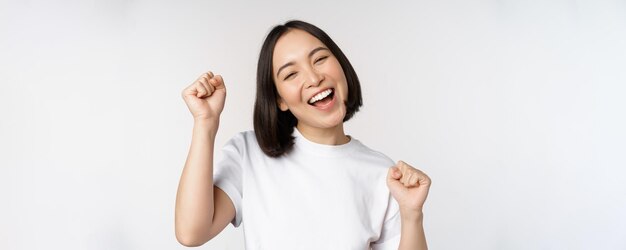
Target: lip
x=307, y=100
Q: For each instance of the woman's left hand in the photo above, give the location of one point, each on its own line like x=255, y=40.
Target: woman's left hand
x=409, y=186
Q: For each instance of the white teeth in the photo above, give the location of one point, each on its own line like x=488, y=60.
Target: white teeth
x=320, y=96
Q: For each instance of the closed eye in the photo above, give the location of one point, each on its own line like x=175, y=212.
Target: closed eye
x=321, y=59
x=289, y=75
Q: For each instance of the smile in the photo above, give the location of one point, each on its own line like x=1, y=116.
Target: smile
x=320, y=96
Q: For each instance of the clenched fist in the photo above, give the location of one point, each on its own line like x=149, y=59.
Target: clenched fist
x=409, y=186
x=205, y=97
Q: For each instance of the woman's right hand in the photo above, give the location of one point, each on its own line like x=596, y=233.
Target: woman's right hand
x=205, y=97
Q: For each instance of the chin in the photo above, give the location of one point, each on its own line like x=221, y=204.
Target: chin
x=334, y=121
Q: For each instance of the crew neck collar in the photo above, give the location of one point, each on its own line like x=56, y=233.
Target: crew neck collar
x=309, y=146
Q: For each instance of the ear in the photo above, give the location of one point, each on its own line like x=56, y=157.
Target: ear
x=282, y=105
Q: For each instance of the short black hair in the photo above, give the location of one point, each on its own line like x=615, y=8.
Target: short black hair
x=273, y=127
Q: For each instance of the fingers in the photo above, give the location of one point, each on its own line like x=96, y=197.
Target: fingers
x=393, y=173
x=409, y=176
x=205, y=85
x=412, y=181
x=218, y=82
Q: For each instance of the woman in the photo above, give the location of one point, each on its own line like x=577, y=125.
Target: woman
x=297, y=181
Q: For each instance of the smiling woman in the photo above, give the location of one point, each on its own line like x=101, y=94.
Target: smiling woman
x=306, y=183
x=308, y=77
x=311, y=71
x=293, y=53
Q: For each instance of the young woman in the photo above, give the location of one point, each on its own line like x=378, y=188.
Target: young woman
x=297, y=181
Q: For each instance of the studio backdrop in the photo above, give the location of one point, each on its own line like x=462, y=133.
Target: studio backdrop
x=515, y=109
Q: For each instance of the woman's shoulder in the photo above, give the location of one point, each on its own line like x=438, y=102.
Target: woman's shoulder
x=243, y=138
x=246, y=134
x=374, y=155
x=244, y=142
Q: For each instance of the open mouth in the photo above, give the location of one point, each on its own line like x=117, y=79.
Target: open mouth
x=322, y=98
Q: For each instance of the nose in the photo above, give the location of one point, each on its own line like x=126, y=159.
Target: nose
x=314, y=78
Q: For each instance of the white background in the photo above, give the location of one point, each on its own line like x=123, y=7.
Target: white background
x=516, y=110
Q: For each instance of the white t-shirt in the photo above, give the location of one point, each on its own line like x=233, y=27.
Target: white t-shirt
x=316, y=197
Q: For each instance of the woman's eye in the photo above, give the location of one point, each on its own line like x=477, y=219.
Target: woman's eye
x=289, y=75
x=321, y=59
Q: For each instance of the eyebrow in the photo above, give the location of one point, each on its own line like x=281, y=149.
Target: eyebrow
x=291, y=63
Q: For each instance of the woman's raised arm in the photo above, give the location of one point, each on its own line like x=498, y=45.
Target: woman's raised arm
x=202, y=211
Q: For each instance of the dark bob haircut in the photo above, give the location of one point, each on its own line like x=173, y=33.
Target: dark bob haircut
x=272, y=126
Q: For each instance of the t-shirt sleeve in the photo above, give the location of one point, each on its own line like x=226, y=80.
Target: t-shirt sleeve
x=227, y=174
x=390, y=233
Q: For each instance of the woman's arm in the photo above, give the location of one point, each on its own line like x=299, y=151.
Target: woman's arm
x=194, y=199
x=412, y=236
x=409, y=186
x=202, y=211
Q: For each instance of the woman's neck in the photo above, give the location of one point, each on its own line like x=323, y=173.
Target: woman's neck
x=328, y=136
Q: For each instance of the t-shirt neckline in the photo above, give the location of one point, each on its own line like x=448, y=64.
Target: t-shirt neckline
x=306, y=145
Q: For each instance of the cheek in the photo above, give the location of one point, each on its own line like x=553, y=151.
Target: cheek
x=289, y=94
x=337, y=72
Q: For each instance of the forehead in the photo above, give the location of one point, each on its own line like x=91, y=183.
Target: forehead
x=293, y=45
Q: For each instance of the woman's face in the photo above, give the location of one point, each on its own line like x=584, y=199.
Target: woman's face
x=309, y=80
